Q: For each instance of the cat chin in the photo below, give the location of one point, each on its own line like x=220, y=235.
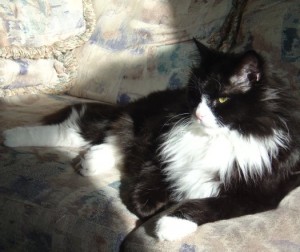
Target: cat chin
x=208, y=127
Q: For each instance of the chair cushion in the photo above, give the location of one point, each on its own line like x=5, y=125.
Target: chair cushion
x=37, y=43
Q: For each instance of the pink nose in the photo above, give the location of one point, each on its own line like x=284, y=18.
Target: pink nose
x=199, y=115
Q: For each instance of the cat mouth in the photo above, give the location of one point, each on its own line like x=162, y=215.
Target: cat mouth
x=205, y=122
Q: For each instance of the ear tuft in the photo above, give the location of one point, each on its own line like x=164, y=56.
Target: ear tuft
x=205, y=53
x=201, y=47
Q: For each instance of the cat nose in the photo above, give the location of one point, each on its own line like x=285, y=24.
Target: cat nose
x=199, y=115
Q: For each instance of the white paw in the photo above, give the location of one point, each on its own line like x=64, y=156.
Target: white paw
x=12, y=137
x=173, y=228
x=98, y=159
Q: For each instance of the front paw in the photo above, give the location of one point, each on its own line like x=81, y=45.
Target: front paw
x=96, y=160
x=172, y=228
x=85, y=167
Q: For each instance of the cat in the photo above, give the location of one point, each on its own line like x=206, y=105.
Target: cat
x=223, y=146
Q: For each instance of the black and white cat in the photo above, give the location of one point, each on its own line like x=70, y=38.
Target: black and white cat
x=224, y=146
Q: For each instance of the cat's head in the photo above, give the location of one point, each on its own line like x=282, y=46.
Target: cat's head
x=229, y=90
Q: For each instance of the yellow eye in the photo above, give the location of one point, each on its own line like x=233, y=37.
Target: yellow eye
x=223, y=99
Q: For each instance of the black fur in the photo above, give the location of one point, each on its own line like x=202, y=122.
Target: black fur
x=251, y=110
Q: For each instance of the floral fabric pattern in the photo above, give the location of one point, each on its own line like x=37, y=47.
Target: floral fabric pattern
x=273, y=29
x=49, y=21
x=44, y=204
x=139, y=47
x=136, y=47
x=146, y=46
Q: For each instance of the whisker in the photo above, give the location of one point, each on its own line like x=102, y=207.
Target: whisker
x=175, y=117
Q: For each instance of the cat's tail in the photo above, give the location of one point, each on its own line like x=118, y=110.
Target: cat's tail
x=66, y=133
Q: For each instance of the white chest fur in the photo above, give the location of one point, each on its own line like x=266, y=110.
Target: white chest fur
x=196, y=156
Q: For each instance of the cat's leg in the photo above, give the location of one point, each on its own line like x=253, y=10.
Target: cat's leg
x=150, y=193
x=66, y=133
x=100, y=158
x=184, y=219
x=45, y=135
x=192, y=213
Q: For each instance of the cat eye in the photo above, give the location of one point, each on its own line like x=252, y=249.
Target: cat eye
x=223, y=99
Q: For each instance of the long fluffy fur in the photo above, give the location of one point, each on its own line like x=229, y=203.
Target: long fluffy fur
x=224, y=146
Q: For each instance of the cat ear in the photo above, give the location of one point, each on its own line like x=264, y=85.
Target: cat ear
x=201, y=47
x=205, y=52
x=248, y=71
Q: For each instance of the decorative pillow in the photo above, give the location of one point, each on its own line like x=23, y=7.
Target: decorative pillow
x=37, y=39
x=143, y=46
